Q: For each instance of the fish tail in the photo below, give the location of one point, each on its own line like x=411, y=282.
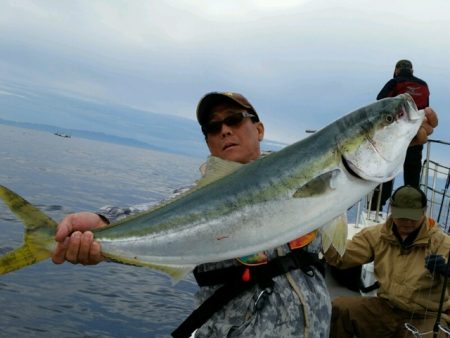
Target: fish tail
x=38, y=238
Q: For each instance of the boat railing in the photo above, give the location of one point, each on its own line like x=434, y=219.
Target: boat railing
x=435, y=181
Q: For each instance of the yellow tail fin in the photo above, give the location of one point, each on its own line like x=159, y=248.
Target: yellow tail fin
x=38, y=238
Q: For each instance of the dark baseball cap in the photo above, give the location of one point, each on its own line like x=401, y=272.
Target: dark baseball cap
x=214, y=98
x=408, y=202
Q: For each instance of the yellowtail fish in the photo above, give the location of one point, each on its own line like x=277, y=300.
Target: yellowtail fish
x=237, y=209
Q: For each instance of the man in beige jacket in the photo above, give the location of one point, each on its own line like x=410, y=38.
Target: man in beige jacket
x=409, y=291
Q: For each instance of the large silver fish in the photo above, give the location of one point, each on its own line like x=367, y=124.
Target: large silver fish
x=237, y=210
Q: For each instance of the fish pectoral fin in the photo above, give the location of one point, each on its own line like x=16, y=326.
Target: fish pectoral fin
x=318, y=185
x=39, y=232
x=175, y=272
x=335, y=233
x=216, y=168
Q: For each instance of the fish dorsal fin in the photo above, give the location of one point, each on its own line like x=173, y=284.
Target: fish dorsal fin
x=318, y=185
x=216, y=168
x=335, y=233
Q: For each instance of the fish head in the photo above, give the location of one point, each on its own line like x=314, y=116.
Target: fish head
x=375, y=138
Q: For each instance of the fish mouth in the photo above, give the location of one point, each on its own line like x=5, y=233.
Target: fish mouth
x=410, y=109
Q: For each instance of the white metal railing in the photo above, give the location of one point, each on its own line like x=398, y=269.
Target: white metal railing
x=435, y=181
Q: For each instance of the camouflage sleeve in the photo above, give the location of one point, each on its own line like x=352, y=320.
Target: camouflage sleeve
x=113, y=213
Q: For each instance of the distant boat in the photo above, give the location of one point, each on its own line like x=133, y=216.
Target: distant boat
x=62, y=134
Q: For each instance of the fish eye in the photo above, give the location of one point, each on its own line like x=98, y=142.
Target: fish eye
x=389, y=118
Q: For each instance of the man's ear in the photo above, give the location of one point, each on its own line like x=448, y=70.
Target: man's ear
x=260, y=128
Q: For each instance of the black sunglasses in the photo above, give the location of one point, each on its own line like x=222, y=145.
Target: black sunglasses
x=233, y=120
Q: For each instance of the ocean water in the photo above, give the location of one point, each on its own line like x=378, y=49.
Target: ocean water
x=61, y=176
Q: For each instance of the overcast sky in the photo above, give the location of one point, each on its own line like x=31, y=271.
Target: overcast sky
x=301, y=63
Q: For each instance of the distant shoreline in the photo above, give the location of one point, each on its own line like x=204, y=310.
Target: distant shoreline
x=104, y=137
x=90, y=135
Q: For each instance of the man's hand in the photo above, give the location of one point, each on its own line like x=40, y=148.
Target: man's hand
x=75, y=243
x=436, y=264
x=429, y=123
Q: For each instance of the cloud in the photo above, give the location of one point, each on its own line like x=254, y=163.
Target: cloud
x=302, y=63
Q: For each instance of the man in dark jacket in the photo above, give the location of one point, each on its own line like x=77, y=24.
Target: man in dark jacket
x=405, y=82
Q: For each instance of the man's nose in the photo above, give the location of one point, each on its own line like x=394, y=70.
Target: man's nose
x=226, y=130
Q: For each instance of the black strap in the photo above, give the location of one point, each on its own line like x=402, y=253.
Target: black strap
x=213, y=304
x=234, y=284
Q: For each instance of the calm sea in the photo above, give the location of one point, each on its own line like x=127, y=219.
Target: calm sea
x=64, y=175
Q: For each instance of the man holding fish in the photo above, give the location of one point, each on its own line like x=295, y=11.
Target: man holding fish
x=287, y=302
x=278, y=292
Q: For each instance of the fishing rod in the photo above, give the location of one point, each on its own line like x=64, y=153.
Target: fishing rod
x=437, y=325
